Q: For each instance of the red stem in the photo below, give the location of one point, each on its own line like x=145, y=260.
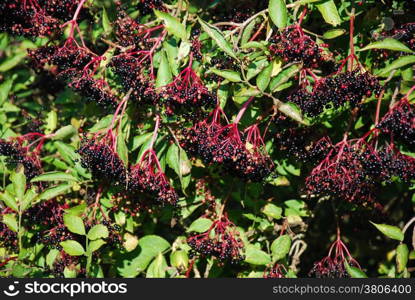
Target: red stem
x=155, y=132
x=243, y=109
x=351, y=43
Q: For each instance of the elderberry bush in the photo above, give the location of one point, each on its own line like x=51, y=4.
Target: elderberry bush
x=192, y=138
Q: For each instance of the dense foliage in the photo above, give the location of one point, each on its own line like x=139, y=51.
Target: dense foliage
x=207, y=138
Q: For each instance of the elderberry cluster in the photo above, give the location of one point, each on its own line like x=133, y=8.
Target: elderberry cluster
x=293, y=45
x=302, y=144
x=240, y=153
x=187, y=93
x=236, y=11
x=354, y=172
x=8, y=238
x=96, y=91
x=127, y=68
x=36, y=17
x=277, y=271
x=73, y=64
x=400, y=122
x=17, y=154
x=329, y=268
x=103, y=162
x=335, y=91
x=65, y=261
x=147, y=177
x=48, y=216
x=221, y=241
x=146, y=6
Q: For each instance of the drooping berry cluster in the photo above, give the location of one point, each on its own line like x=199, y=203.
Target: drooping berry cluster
x=147, y=177
x=236, y=11
x=333, y=265
x=65, y=261
x=49, y=217
x=335, y=91
x=400, y=122
x=354, y=170
x=103, y=161
x=187, y=92
x=26, y=18
x=146, y=6
x=76, y=65
x=301, y=143
x=293, y=45
x=18, y=153
x=342, y=173
x=221, y=240
x=128, y=69
x=240, y=153
x=8, y=238
x=276, y=271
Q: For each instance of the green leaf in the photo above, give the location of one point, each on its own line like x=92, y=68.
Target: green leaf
x=72, y=248
x=329, y=12
x=230, y=75
x=19, y=184
x=179, y=259
x=122, y=149
x=140, y=140
x=353, y=271
x=333, y=33
x=164, y=75
x=51, y=121
x=278, y=12
x=264, y=77
x=69, y=272
x=283, y=77
x=151, y=246
x=402, y=256
x=388, y=44
x=254, y=68
x=54, y=176
x=11, y=222
x=390, y=231
x=64, y=132
x=51, y=257
x=172, y=52
x=273, y=211
x=54, y=191
x=157, y=269
x=5, y=89
x=292, y=111
x=247, y=33
x=396, y=64
x=200, y=225
x=172, y=24
x=99, y=231
x=280, y=247
x=9, y=200
x=255, y=256
x=12, y=61
x=74, y=224
x=177, y=159
x=28, y=199
x=95, y=245
x=105, y=122
x=172, y=158
x=77, y=210
x=106, y=24
x=217, y=35
x=254, y=45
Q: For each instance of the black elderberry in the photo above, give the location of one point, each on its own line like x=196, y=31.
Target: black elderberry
x=104, y=163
